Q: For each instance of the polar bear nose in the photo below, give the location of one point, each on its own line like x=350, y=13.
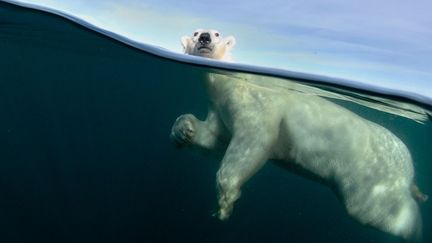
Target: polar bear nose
x=204, y=39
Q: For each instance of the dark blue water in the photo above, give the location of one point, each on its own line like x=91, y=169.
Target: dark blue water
x=85, y=154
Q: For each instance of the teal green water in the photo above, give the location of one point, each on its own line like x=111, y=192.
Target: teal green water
x=85, y=154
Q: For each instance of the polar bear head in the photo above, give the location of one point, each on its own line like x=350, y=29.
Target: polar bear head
x=208, y=43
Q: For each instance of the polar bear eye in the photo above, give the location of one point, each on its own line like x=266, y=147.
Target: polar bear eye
x=217, y=34
x=196, y=33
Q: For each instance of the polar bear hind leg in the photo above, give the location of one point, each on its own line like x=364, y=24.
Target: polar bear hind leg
x=408, y=222
x=391, y=211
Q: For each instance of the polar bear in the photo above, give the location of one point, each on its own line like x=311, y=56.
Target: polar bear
x=249, y=124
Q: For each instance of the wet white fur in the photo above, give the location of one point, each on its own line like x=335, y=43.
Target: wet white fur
x=249, y=124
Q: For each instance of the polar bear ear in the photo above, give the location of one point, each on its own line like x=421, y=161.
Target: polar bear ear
x=230, y=41
x=185, y=41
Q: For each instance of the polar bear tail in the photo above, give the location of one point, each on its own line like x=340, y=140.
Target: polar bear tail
x=418, y=195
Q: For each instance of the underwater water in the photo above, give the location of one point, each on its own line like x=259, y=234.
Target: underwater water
x=85, y=154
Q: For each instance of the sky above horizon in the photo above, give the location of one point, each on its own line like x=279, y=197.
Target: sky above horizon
x=383, y=43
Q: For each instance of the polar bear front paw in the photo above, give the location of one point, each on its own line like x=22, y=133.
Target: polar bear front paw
x=183, y=130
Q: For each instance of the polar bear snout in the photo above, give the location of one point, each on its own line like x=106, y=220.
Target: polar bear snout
x=205, y=46
x=204, y=38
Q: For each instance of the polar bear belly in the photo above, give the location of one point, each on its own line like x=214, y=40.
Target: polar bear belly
x=335, y=143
